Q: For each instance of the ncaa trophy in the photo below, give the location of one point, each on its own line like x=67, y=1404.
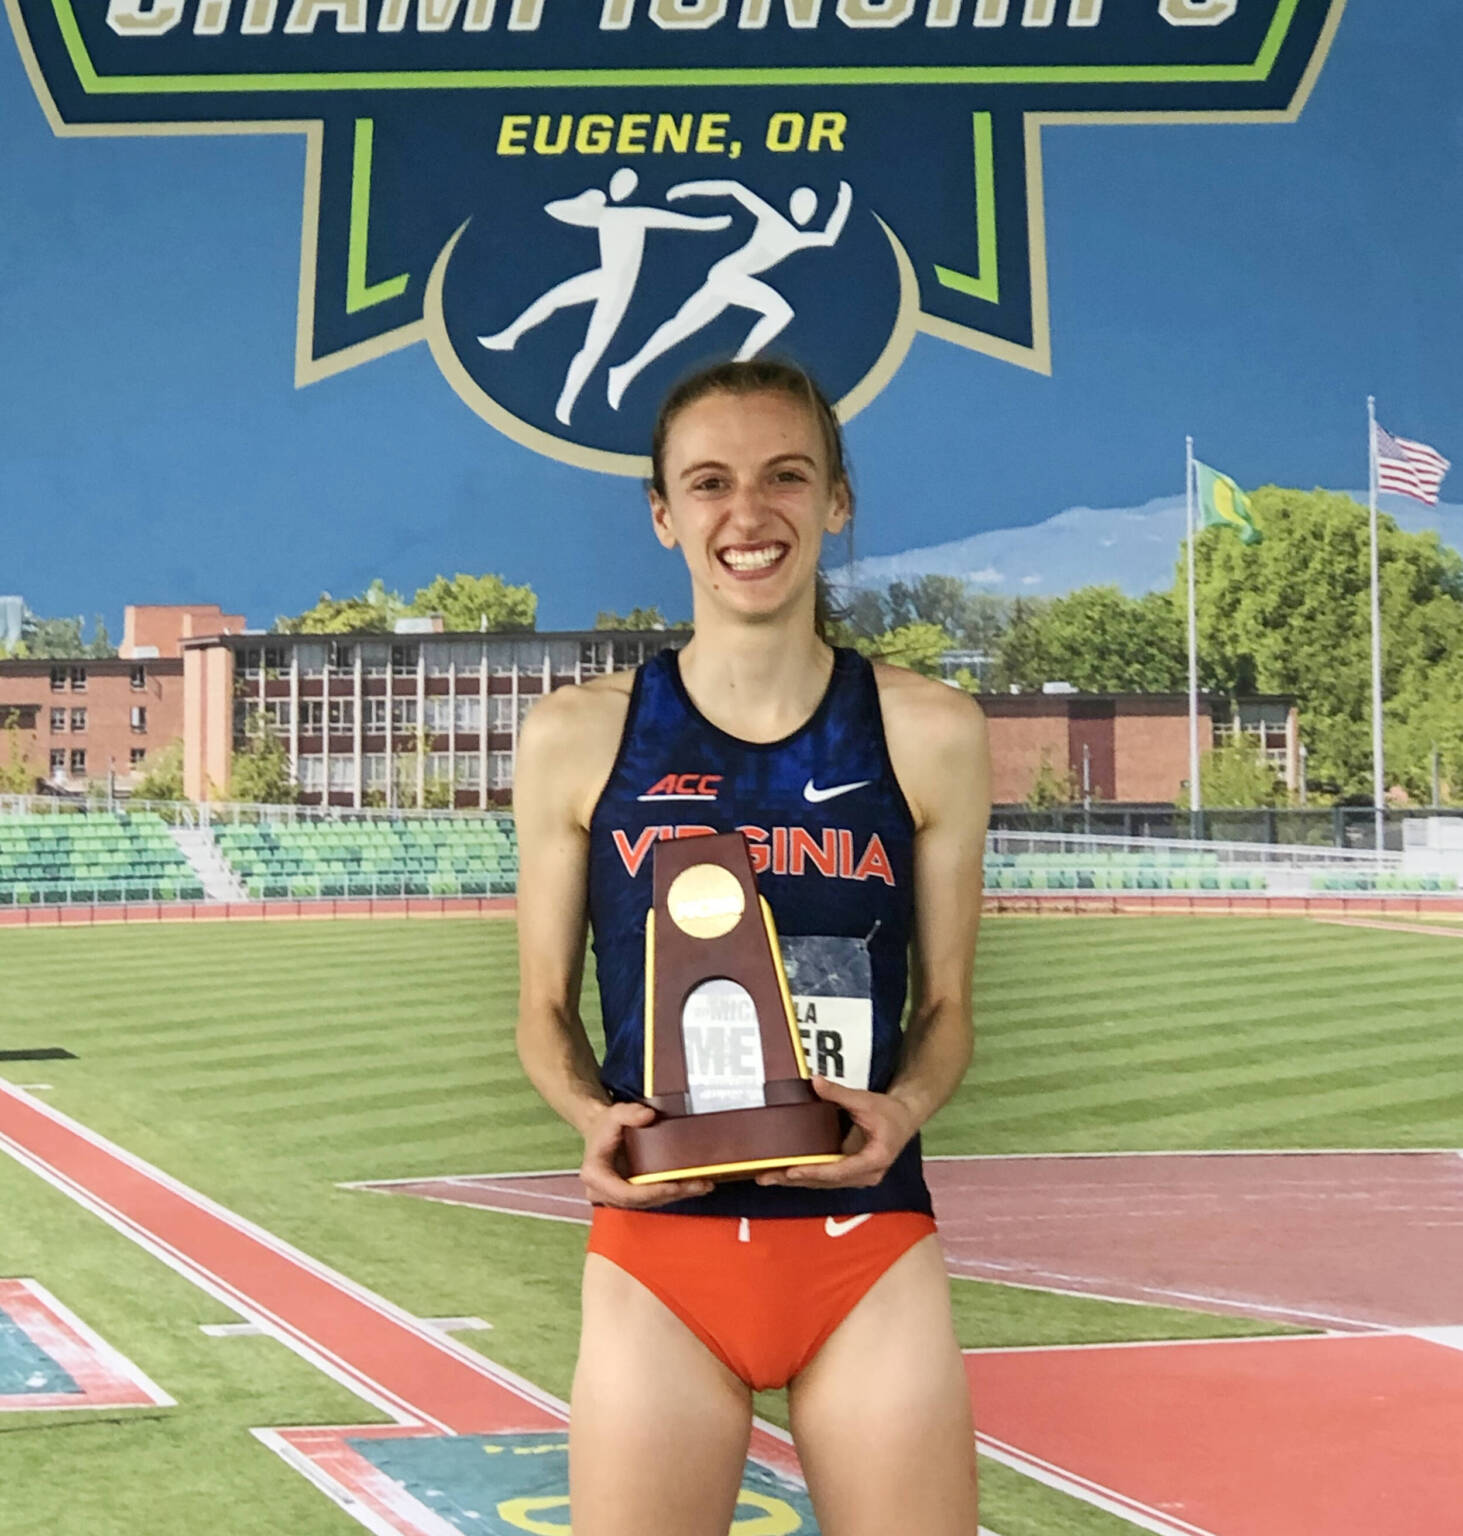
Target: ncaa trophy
x=724, y=1066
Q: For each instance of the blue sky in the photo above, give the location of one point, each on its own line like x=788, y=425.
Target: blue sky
x=1249, y=284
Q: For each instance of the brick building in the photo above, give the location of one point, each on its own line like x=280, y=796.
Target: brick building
x=1129, y=748
x=92, y=720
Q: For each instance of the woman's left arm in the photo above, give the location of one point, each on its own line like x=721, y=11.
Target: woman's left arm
x=939, y=748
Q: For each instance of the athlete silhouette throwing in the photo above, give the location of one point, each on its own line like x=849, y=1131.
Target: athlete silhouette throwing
x=608, y=287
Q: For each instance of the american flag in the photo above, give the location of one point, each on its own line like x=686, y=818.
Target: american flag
x=1413, y=469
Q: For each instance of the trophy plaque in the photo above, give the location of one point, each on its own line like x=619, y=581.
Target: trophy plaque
x=724, y=1066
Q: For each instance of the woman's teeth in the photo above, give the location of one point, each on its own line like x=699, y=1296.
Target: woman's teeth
x=753, y=559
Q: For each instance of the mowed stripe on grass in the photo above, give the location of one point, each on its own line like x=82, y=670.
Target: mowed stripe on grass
x=264, y=1064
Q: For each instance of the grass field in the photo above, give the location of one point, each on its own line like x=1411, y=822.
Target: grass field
x=265, y=1064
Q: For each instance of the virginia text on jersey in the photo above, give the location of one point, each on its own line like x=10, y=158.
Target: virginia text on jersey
x=571, y=201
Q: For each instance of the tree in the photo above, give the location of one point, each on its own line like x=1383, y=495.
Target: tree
x=53, y=637
x=101, y=647
x=916, y=646
x=637, y=618
x=865, y=612
x=477, y=602
x=1050, y=789
x=1235, y=775
x=164, y=777
x=1098, y=640
x=374, y=609
x=17, y=777
x=1292, y=615
x=260, y=773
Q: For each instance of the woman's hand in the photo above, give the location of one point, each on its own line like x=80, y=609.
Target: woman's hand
x=882, y=1127
x=602, y=1170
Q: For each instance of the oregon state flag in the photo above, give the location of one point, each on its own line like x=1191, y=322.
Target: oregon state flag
x=1222, y=502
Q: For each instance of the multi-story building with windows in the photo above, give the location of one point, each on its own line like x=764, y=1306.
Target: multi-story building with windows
x=92, y=721
x=418, y=717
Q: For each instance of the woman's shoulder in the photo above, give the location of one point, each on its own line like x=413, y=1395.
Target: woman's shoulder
x=936, y=735
x=921, y=704
x=571, y=737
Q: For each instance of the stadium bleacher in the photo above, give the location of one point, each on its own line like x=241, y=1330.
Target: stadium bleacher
x=456, y=856
x=101, y=856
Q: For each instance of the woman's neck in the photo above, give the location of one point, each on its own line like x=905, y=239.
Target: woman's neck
x=759, y=682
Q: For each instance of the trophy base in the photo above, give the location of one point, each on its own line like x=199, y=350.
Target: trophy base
x=733, y=1143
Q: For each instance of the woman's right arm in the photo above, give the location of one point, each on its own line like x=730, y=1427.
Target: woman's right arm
x=565, y=752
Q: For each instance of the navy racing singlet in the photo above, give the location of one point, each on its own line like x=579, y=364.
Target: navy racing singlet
x=832, y=845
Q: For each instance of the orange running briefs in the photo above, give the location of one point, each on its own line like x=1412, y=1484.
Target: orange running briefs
x=763, y=1294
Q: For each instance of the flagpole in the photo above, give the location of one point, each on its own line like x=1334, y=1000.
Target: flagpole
x=1195, y=798
x=1378, y=765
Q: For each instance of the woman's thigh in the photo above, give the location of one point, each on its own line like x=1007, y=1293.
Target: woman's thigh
x=658, y=1426
x=882, y=1417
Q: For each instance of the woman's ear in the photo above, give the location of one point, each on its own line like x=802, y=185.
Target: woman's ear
x=840, y=512
x=660, y=520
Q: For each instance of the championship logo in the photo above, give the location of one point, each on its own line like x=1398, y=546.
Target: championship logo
x=574, y=202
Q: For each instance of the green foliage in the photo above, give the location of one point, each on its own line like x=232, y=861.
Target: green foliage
x=101, y=647
x=260, y=773
x=1235, y=775
x=17, y=777
x=374, y=609
x=637, y=618
x=164, y=777
x=1050, y=789
x=477, y=602
x=53, y=638
x=1098, y=640
x=971, y=620
x=1292, y=616
x=916, y=646
x=465, y=603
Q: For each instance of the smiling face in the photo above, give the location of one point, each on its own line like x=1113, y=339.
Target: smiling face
x=748, y=495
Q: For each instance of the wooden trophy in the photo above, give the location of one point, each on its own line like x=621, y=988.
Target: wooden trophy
x=724, y=1065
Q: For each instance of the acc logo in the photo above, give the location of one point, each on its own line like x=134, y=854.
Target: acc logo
x=575, y=201
x=683, y=786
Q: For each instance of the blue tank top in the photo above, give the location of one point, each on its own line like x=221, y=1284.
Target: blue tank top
x=832, y=844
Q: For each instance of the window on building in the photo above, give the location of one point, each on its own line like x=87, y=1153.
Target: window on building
x=311, y=772
x=277, y=714
x=310, y=658
x=469, y=770
x=247, y=660
x=375, y=658
x=469, y=713
x=58, y=720
x=139, y=717
x=500, y=711
x=58, y=679
x=526, y=701
x=343, y=714
x=439, y=766
x=274, y=658
x=439, y=714
x=404, y=660
x=595, y=656
x=500, y=658
x=439, y=656
x=500, y=770
x=78, y=762
x=139, y=677
x=403, y=714
x=78, y=719
x=374, y=714
x=342, y=658
x=135, y=756
x=373, y=769
x=58, y=762
x=77, y=678
x=342, y=773
x=312, y=716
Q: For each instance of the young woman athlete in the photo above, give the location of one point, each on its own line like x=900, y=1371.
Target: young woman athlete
x=863, y=792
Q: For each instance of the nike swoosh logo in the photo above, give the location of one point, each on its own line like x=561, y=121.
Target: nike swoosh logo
x=815, y=796
x=836, y=1228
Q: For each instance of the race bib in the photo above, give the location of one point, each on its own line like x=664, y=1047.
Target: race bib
x=831, y=982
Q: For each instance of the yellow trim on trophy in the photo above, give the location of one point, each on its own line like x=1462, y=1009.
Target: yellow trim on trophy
x=749, y=1167
x=650, y=1002
x=792, y=1018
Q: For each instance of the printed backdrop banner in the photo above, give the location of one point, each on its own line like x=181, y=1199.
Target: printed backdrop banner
x=576, y=201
